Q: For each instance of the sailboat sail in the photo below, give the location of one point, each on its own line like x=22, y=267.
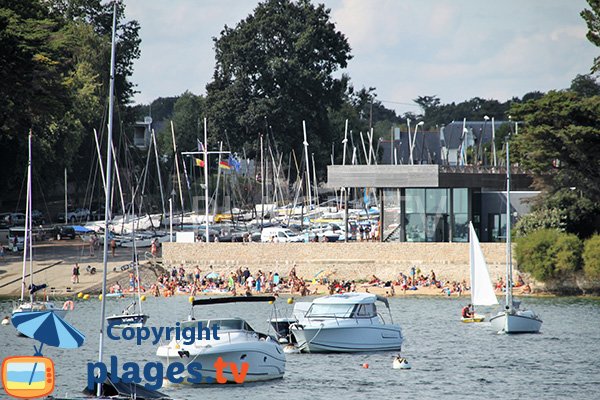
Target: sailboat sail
x=482, y=291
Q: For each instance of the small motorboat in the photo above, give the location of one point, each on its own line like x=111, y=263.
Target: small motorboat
x=347, y=323
x=400, y=363
x=237, y=343
x=127, y=318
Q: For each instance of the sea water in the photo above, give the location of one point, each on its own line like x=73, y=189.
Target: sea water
x=450, y=360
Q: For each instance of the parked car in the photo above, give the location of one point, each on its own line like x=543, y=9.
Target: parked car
x=63, y=232
x=77, y=215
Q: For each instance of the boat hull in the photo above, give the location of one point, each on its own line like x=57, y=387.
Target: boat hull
x=517, y=322
x=349, y=339
x=474, y=319
x=127, y=321
x=40, y=307
x=265, y=359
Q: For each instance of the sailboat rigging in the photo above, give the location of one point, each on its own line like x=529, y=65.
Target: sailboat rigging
x=32, y=305
x=513, y=319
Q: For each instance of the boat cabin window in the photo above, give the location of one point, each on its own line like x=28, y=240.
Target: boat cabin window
x=330, y=310
x=365, y=311
x=223, y=324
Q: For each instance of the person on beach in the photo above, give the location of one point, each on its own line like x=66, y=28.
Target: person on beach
x=467, y=311
x=75, y=276
x=113, y=246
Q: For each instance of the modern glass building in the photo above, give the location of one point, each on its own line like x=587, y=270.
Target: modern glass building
x=434, y=203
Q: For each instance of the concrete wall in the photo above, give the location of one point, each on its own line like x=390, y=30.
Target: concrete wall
x=343, y=260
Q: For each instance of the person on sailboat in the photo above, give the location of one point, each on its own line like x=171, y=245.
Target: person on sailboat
x=467, y=311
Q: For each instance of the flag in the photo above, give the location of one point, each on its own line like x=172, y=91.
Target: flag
x=224, y=165
x=234, y=163
x=199, y=162
x=200, y=147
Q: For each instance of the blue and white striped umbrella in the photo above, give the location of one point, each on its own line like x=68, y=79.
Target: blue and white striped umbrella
x=48, y=328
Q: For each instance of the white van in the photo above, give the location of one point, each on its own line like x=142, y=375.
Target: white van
x=280, y=235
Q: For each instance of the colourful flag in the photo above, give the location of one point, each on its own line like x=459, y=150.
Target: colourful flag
x=234, y=163
x=199, y=162
x=224, y=165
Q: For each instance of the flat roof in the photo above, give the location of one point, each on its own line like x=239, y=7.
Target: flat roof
x=424, y=176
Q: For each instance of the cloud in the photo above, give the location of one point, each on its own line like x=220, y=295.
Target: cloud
x=454, y=49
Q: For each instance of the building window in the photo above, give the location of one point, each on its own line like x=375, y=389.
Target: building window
x=460, y=208
x=415, y=215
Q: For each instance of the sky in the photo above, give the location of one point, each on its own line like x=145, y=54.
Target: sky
x=453, y=49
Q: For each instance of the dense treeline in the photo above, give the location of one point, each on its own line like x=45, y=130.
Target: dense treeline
x=54, y=71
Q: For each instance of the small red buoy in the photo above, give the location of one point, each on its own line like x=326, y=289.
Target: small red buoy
x=365, y=365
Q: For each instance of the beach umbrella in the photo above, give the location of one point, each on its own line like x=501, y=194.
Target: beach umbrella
x=48, y=328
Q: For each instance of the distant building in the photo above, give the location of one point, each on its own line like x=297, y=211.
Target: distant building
x=142, y=133
x=434, y=199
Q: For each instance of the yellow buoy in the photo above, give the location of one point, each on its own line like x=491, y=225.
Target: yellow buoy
x=86, y=296
x=270, y=301
x=191, y=299
x=290, y=300
x=143, y=298
x=79, y=295
x=100, y=297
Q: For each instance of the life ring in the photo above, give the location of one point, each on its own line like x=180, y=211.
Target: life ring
x=68, y=305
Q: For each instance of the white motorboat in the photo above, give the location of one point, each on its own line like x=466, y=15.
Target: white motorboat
x=513, y=319
x=237, y=343
x=346, y=323
x=482, y=290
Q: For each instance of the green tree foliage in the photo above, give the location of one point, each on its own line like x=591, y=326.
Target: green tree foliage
x=559, y=144
x=187, y=122
x=542, y=218
x=54, y=69
x=592, y=19
x=585, y=85
x=591, y=257
x=274, y=70
x=549, y=254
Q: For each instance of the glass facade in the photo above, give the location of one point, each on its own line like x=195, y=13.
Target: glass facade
x=430, y=215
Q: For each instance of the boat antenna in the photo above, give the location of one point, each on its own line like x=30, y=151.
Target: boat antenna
x=107, y=204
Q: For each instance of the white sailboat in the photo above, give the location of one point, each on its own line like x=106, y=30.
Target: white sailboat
x=513, y=319
x=482, y=290
x=33, y=305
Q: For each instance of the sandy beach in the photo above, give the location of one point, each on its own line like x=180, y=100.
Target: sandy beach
x=54, y=261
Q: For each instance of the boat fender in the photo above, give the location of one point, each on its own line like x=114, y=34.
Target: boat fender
x=6, y=321
x=68, y=305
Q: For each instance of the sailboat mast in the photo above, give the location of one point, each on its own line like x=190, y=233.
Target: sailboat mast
x=108, y=186
x=305, y=143
x=26, y=248
x=508, y=242
x=206, y=180
x=472, y=262
x=160, y=185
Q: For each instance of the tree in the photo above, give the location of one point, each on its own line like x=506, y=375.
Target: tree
x=559, y=143
x=592, y=19
x=274, y=70
x=585, y=85
x=591, y=257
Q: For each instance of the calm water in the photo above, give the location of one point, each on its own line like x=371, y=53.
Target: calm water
x=450, y=360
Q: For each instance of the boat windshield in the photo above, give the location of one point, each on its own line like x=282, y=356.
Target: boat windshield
x=223, y=324
x=330, y=310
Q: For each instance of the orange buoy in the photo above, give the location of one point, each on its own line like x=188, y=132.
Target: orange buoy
x=365, y=366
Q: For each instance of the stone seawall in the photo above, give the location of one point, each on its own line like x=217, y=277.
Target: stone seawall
x=357, y=261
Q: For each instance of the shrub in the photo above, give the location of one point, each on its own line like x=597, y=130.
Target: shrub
x=549, y=254
x=591, y=257
x=545, y=218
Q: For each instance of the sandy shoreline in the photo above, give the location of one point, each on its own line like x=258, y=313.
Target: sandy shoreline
x=54, y=261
